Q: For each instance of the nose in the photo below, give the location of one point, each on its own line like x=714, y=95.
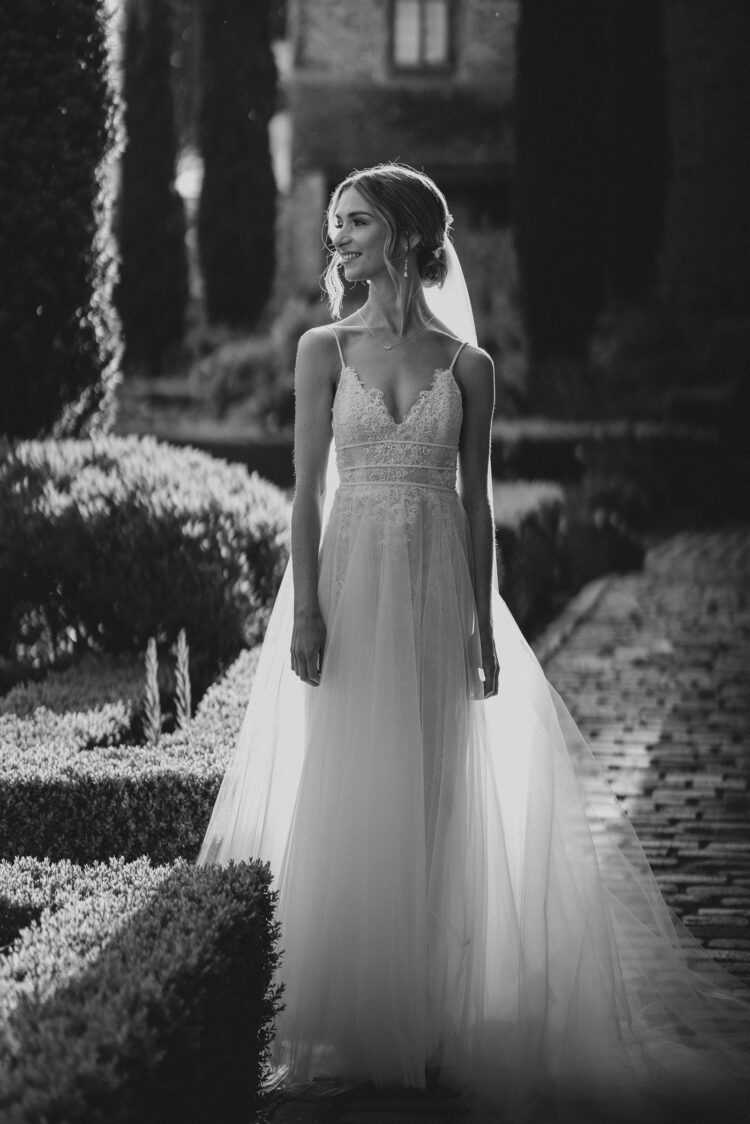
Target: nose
x=339, y=238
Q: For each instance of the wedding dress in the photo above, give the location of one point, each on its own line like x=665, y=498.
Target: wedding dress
x=458, y=887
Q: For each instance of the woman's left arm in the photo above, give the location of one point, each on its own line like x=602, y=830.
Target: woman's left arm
x=475, y=375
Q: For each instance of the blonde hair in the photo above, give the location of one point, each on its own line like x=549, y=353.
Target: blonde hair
x=409, y=203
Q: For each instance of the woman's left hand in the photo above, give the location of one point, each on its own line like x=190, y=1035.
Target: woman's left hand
x=490, y=665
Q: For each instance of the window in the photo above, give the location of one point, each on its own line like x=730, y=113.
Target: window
x=421, y=34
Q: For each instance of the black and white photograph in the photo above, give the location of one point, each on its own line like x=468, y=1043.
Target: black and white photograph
x=374, y=561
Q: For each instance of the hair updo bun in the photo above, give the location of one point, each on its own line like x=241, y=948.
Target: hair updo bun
x=410, y=205
x=432, y=264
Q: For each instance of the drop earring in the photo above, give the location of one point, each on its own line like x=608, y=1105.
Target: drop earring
x=406, y=266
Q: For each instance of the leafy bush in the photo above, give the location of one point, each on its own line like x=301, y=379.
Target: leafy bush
x=66, y=793
x=59, y=136
x=551, y=542
x=259, y=370
x=650, y=473
x=150, y=999
x=528, y=520
x=114, y=540
x=92, y=684
x=92, y=704
x=30, y=886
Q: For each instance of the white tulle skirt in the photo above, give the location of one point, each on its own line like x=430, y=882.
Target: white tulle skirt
x=458, y=886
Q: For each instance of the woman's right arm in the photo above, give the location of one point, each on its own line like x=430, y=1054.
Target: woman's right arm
x=313, y=389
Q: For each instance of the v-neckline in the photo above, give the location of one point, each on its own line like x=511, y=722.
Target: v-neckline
x=380, y=396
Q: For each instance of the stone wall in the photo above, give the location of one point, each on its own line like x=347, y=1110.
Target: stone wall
x=349, y=39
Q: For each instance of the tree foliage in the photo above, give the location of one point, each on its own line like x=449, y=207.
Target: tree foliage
x=153, y=284
x=591, y=162
x=59, y=334
x=237, y=208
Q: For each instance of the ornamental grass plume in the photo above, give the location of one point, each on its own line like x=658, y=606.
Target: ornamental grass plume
x=182, y=695
x=151, y=700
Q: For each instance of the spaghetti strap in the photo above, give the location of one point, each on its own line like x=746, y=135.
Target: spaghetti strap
x=338, y=344
x=455, y=357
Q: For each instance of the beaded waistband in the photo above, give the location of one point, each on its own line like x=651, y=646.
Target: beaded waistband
x=396, y=484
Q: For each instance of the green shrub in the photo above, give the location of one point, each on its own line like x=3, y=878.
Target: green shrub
x=114, y=540
x=528, y=520
x=551, y=542
x=650, y=473
x=90, y=685
x=66, y=793
x=59, y=135
x=150, y=1000
x=30, y=886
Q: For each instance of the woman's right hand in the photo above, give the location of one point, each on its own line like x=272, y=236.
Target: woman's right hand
x=308, y=642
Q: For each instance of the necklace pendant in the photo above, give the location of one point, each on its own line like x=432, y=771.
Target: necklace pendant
x=387, y=346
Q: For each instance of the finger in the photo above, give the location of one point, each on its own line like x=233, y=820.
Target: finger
x=308, y=669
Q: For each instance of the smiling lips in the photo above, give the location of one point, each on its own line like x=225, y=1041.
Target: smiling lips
x=348, y=256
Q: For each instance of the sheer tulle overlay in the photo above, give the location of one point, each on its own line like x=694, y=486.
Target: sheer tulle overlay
x=458, y=887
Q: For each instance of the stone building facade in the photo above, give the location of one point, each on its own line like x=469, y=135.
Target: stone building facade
x=428, y=82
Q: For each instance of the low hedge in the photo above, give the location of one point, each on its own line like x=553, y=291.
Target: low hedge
x=147, y=1000
x=65, y=793
x=528, y=524
x=551, y=541
x=30, y=886
x=653, y=473
x=94, y=702
x=115, y=540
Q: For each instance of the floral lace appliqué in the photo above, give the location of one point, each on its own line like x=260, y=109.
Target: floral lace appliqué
x=394, y=474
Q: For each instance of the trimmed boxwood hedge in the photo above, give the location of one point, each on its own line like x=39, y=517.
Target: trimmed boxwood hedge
x=65, y=793
x=114, y=540
x=653, y=473
x=147, y=997
x=528, y=524
x=30, y=886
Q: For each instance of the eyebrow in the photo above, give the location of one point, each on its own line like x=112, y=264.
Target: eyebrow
x=353, y=214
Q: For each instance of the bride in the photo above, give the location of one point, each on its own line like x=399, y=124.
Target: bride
x=460, y=895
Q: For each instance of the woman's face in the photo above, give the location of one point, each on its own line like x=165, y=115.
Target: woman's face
x=359, y=236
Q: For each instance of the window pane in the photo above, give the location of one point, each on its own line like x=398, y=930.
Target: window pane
x=436, y=31
x=406, y=33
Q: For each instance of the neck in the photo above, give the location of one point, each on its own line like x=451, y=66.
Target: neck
x=398, y=315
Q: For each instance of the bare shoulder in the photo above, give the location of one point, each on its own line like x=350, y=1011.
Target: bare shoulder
x=474, y=371
x=317, y=345
x=317, y=357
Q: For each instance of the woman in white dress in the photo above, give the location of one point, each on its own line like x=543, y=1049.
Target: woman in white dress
x=459, y=891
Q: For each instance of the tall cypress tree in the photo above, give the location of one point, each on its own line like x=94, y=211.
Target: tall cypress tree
x=560, y=180
x=153, y=286
x=636, y=147
x=236, y=219
x=59, y=333
x=591, y=162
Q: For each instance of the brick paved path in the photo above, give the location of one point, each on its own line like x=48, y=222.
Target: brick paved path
x=657, y=675
x=655, y=668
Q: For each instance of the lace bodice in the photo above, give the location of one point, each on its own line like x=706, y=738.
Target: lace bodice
x=421, y=449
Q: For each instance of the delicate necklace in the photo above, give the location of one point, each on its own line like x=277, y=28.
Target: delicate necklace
x=390, y=346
